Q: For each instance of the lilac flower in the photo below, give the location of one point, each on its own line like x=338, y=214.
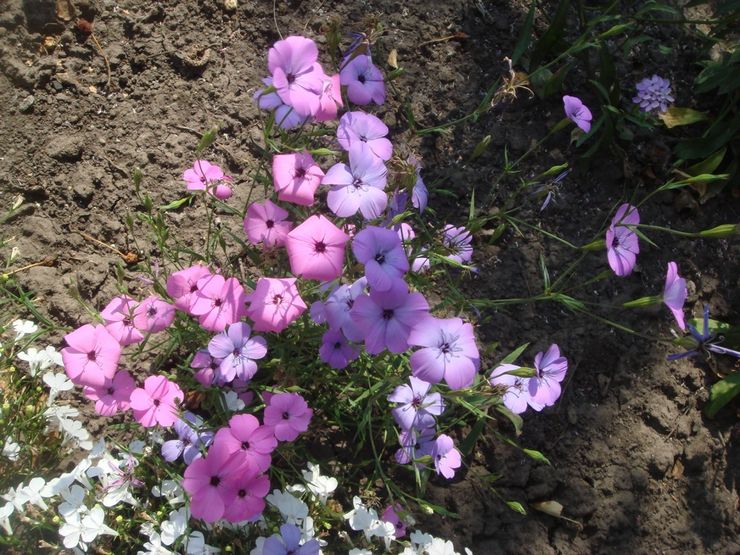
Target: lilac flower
x=674, y=293
x=622, y=245
x=415, y=443
x=337, y=306
x=446, y=458
x=457, y=240
x=206, y=366
x=577, y=112
x=364, y=81
x=296, y=74
x=387, y=317
x=363, y=128
x=706, y=341
x=653, y=94
x=289, y=543
x=550, y=369
x=285, y=116
x=418, y=407
x=189, y=440
x=381, y=252
x=419, y=194
x=449, y=352
x=516, y=396
x=238, y=351
x=288, y=415
x=336, y=351
x=359, y=186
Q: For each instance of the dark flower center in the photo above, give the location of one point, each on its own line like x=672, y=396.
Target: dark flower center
x=286, y=415
x=338, y=345
x=320, y=246
x=151, y=311
x=277, y=299
x=245, y=445
x=439, y=457
x=615, y=242
x=445, y=348
x=416, y=402
x=235, y=352
x=127, y=321
x=91, y=355
x=202, y=178
x=290, y=78
x=300, y=172
x=217, y=302
x=380, y=258
x=156, y=402
x=193, y=288
x=269, y=224
x=357, y=183
x=242, y=493
x=215, y=481
x=361, y=78
x=111, y=391
x=363, y=138
x=387, y=314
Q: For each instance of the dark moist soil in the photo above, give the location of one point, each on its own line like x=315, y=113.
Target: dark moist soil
x=635, y=463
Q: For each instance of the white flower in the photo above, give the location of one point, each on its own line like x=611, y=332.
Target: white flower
x=321, y=486
x=420, y=539
x=154, y=546
x=57, y=382
x=175, y=526
x=440, y=547
x=116, y=476
x=71, y=530
x=384, y=530
x=408, y=551
x=232, y=401
x=308, y=532
x=137, y=447
x=357, y=551
x=468, y=551
x=74, y=498
x=11, y=449
x=361, y=518
x=93, y=525
x=5, y=512
x=171, y=491
x=293, y=509
x=34, y=492
x=196, y=545
x=40, y=360
x=17, y=497
x=23, y=328
x=259, y=544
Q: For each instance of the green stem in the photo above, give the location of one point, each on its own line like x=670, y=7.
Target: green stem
x=665, y=229
x=622, y=327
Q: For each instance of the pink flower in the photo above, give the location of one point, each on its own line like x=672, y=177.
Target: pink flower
x=118, y=316
x=183, y=284
x=274, y=304
x=153, y=315
x=316, y=249
x=445, y=456
x=113, y=396
x=157, y=402
x=208, y=480
x=218, y=302
x=516, y=395
x=296, y=177
x=330, y=100
x=249, y=502
x=288, y=415
x=206, y=367
x=296, y=74
x=622, y=245
x=391, y=515
x=91, y=356
x=266, y=223
x=674, y=293
x=204, y=176
x=246, y=435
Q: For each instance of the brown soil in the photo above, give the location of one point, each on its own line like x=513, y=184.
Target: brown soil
x=634, y=461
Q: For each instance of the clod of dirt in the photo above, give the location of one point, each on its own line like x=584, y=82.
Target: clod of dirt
x=26, y=104
x=191, y=63
x=65, y=149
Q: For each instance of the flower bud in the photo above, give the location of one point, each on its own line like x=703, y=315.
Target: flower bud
x=597, y=245
x=724, y=230
x=222, y=192
x=119, y=519
x=29, y=410
x=56, y=519
x=643, y=302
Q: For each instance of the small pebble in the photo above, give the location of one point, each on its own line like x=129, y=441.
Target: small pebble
x=27, y=104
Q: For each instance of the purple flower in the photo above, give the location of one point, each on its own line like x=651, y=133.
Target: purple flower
x=457, y=240
x=237, y=351
x=516, y=396
x=285, y=116
x=337, y=306
x=415, y=443
x=550, y=367
x=446, y=458
x=577, y=112
x=418, y=407
x=364, y=81
x=391, y=515
x=674, y=293
x=359, y=186
x=622, y=245
x=653, y=94
x=189, y=440
x=296, y=75
x=449, y=352
x=419, y=194
x=336, y=351
x=288, y=415
x=381, y=252
x=206, y=366
x=387, y=317
x=362, y=128
x=705, y=341
x=288, y=542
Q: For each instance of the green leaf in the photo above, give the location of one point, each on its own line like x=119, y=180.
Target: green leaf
x=709, y=164
x=480, y=148
x=525, y=37
x=515, y=354
x=676, y=116
x=615, y=30
x=554, y=170
x=536, y=455
x=722, y=393
x=323, y=152
x=208, y=138
x=515, y=419
x=516, y=506
x=545, y=273
x=546, y=45
x=470, y=440
x=175, y=204
x=570, y=302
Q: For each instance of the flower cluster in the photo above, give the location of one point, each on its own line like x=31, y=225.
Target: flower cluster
x=653, y=94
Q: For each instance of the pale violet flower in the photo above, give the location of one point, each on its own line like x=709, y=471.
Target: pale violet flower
x=171, y=491
x=11, y=449
x=293, y=509
x=258, y=545
x=232, y=401
x=420, y=539
x=175, y=526
x=383, y=530
x=23, y=328
x=40, y=360
x=137, y=447
x=196, y=545
x=58, y=383
x=74, y=500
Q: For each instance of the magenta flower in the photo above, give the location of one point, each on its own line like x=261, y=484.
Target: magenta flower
x=330, y=100
x=622, y=245
x=449, y=352
x=296, y=177
x=288, y=415
x=364, y=81
x=113, y=396
x=381, y=252
x=457, y=241
x=544, y=387
x=266, y=223
x=446, y=457
x=336, y=351
x=417, y=407
x=359, y=186
x=386, y=318
x=206, y=366
x=275, y=304
x=516, y=395
x=237, y=352
x=249, y=501
x=91, y=356
x=218, y=302
x=153, y=315
x=246, y=435
x=157, y=402
x=208, y=480
x=296, y=75
x=577, y=112
x=391, y=515
x=285, y=116
x=362, y=128
x=204, y=176
x=674, y=293
x=183, y=284
x=118, y=316
x=316, y=249
x=338, y=305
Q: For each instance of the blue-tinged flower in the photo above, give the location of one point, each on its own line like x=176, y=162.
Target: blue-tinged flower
x=705, y=341
x=654, y=94
x=289, y=542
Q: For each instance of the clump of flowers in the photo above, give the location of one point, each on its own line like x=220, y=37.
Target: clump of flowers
x=654, y=94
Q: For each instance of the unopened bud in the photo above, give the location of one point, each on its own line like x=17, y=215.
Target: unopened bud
x=29, y=410
x=724, y=230
x=119, y=519
x=56, y=519
x=597, y=245
x=643, y=302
